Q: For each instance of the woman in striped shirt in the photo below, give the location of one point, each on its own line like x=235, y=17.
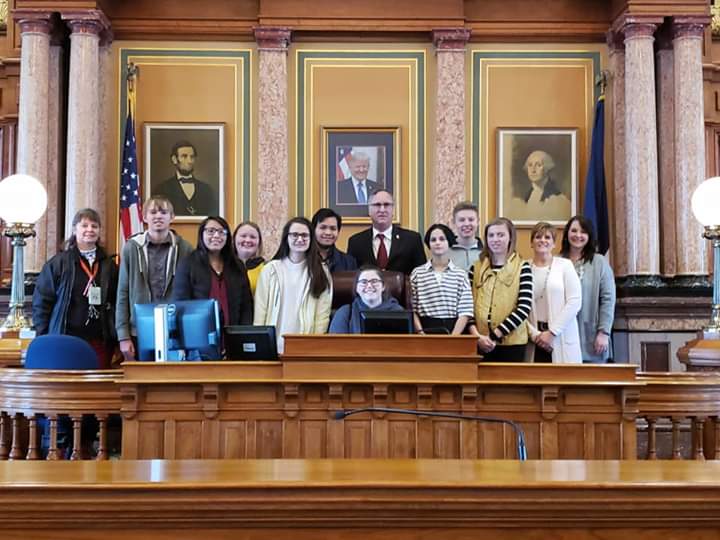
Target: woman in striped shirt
x=502, y=286
x=441, y=296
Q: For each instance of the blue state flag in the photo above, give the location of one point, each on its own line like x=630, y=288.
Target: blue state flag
x=596, y=206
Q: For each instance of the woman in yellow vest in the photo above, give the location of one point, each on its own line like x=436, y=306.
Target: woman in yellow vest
x=502, y=286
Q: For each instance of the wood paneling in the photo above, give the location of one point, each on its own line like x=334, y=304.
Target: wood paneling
x=360, y=499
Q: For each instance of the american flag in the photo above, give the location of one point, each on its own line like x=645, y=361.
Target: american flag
x=342, y=169
x=130, y=205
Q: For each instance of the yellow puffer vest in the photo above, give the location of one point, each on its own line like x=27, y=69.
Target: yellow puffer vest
x=497, y=293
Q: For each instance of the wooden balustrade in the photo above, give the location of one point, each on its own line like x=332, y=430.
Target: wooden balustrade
x=285, y=409
x=681, y=403
x=27, y=396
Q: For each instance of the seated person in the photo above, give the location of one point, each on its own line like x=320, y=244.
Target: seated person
x=370, y=295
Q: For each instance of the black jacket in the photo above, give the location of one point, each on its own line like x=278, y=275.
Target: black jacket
x=54, y=286
x=192, y=282
x=406, y=250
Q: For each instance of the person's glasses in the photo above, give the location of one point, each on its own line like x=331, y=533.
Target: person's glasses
x=375, y=282
x=381, y=205
x=215, y=232
x=299, y=235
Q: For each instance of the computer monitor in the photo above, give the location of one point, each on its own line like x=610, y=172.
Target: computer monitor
x=182, y=330
x=386, y=322
x=250, y=343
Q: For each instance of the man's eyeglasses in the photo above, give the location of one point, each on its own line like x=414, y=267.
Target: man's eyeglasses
x=299, y=235
x=381, y=205
x=375, y=282
x=215, y=232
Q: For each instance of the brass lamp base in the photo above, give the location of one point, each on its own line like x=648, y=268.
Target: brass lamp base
x=15, y=322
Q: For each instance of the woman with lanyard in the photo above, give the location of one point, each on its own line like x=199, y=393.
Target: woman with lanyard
x=441, y=296
x=75, y=292
x=556, y=302
x=211, y=271
x=595, y=319
x=502, y=287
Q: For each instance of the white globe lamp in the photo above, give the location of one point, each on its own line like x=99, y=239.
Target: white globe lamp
x=23, y=201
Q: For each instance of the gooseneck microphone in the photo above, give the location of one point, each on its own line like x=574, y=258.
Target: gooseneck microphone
x=519, y=433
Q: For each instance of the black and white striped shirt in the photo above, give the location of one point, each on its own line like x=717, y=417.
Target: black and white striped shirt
x=445, y=295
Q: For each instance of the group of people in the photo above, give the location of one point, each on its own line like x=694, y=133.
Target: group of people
x=561, y=306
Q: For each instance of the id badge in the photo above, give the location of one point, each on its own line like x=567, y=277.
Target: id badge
x=94, y=296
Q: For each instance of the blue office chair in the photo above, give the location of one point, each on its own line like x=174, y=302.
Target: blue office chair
x=59, y=351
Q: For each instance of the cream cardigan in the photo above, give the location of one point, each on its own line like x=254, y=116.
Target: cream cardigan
x=314, y=313
x=564, y=295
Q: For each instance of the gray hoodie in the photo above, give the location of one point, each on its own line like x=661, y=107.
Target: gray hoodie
x=134, y=282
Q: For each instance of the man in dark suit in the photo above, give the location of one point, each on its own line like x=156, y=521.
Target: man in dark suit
x=189, y=196
x=357, y=188
x=386, y=245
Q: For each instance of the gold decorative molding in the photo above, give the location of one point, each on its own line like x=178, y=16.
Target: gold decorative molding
x=715, y=22
x=3, y=13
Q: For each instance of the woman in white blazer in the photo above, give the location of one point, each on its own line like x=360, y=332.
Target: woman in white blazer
x=557, y=299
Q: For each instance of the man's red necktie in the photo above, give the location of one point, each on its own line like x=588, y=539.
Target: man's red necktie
x=382, y=254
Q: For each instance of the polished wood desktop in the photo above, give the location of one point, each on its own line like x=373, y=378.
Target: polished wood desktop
x=360, y=499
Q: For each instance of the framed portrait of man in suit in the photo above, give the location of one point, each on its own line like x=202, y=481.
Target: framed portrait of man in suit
x=185, y=163
x=537, y=175
x=356, y=163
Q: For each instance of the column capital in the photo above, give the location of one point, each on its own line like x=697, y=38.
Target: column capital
x=86, y=21
x=636, y=26
x=689, y=27
x=34, y=21
x=450, y=39
x=272, y=38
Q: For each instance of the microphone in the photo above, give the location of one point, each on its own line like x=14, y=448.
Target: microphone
x=519, y=433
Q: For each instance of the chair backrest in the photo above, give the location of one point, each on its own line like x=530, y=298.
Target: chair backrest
x=59, y=351
x=397, y=284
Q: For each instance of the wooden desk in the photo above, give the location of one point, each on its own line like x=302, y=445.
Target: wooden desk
x=286, y=409
x=360, y=499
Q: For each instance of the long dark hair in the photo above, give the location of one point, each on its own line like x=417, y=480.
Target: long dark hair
x=510, y=226
x=227, y=252
x=590, y=248
x=319, y=281
x=84, y=213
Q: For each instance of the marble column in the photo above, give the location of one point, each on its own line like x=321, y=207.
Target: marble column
x=641, y=184
x=616, y=47
x=33, y=116
x=104, y=122
x=691, y=255
x=664, y=63
x=273, y=175
x=448, y=187
x=83, y=176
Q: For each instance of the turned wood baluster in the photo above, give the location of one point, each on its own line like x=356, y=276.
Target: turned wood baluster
x=16, y=448
x=652, y=438
x=52, y=454
x=697, y=424
x=77, y=443
x=4, y=429
x=676, y=454
x=102, y=442
x=33, y=452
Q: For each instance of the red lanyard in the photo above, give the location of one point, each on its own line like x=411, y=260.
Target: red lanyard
x=89, y=274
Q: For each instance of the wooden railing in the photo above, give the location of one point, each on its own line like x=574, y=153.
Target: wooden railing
x=28, y=395
x=674, y=406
